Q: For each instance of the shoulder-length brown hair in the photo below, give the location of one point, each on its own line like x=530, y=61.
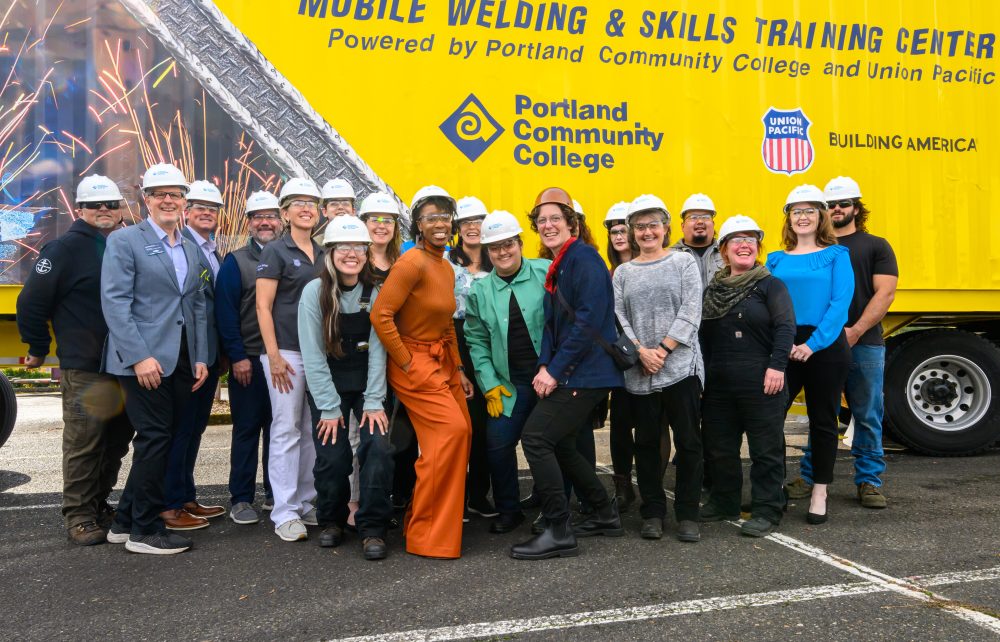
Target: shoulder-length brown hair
x=824, y=233
x=329, y=304
x=577, y=227
x=634, y=244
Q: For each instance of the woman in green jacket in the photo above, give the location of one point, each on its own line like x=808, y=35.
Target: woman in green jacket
x=504, y=317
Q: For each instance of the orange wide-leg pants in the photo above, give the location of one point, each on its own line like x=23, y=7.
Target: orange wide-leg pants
x=433, y=396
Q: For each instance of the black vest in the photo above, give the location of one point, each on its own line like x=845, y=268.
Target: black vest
x=247, y=258
x=350, y=373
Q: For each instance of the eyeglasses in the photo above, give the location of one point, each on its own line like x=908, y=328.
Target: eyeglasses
x=842, y=204
x=471, y=222
x=382, y=220
x=210, y=209
x=339, y=202
x=177, y=196
x=436, y=218
x=555, y=219
x=264, y=217
x=807, y=212
x=642, y=227
x=347, y=249
x=306, y=205
x=698, y=217
x=750, y=241
x=619, y=231
x=501, y=246
x=111, y=205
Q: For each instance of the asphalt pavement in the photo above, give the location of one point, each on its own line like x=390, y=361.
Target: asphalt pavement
x=927, y=568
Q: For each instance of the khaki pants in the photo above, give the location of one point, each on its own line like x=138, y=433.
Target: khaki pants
x=96, y=437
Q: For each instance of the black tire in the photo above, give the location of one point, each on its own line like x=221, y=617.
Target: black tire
x=8, y=409
x=939, y=397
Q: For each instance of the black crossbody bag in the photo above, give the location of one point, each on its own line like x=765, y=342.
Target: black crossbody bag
x=623, y=352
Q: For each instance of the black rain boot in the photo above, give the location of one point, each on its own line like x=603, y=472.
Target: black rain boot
x=557, y=540
x=604, y=521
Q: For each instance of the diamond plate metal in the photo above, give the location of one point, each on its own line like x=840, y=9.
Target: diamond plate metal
x=255, y=94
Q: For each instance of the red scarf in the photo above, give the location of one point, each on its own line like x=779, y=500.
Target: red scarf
x=550, y=277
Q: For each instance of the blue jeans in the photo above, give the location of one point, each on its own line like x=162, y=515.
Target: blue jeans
x=251, y=409
x=502, y=435
x=864, y=397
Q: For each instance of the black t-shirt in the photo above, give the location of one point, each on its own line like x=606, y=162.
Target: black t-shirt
x=870, y=255
x=700, y=251
x=284, y=262
x=522, y=360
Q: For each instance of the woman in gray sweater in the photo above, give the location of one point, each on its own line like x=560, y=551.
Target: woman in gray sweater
x=658, y=303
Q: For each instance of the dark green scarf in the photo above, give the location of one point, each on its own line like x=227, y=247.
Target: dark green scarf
x=724, y=291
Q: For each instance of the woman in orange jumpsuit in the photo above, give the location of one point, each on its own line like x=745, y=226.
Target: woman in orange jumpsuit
x=413, y=319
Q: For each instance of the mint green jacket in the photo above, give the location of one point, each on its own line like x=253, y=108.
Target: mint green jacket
x=486, y=321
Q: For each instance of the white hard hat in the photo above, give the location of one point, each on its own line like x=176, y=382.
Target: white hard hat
x=499, y=226
x=204, y=191
x=617, y=212
x=298, y=187
x=840, y=188
x=645, y=203
x=698, y=202
x=578, y=208
x=469, y=207
x=378, y=203
x=338, y=188
x=96, y=188
x=259, y=201
x=739, y=223
x=164, y=175
x=346, y=229
x=429, y=191
x=805, y=194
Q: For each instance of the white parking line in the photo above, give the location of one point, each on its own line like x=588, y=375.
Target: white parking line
x=657, y=611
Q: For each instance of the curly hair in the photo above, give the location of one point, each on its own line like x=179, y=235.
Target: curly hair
x=861, y=216
x=573, y=220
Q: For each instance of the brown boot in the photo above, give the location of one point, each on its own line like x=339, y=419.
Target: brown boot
x=87, y=534
x=180, y=520
x=624, y=492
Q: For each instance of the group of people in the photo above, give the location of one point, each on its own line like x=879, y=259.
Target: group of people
x=386, y=378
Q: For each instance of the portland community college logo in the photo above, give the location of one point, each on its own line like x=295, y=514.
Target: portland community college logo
x=786, y=148
x=471, y=128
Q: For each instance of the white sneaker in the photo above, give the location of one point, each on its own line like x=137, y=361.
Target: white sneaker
x=116, y=536
x=309, y=519
x=292, y=531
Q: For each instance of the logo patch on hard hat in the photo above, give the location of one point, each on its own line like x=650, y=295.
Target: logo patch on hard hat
x=786, y=148
x=44, y=266
x=471, y=128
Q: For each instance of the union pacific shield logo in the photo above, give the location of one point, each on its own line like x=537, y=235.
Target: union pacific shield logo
x=786, y=148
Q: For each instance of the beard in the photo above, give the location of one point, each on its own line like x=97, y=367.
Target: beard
x=844, y=222
x=699, y=239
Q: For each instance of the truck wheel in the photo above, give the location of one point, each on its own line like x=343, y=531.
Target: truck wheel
x=939, y=396
x=8, y=409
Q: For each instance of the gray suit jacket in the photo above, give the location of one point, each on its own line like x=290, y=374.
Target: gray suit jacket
x=143, y=306
x=213, y=334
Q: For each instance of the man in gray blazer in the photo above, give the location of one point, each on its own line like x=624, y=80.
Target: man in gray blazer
x=182, y=511
x=152, y=295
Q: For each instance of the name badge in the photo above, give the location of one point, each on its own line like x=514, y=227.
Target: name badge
x=154, y=248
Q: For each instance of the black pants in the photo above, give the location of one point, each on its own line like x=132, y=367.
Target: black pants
x=726, y=415
x=823, y=376
x=622, y=423
x=679, y=406
x=155, y=415
x=335, y=463
x=549, y=441
x=179, y=484
x=404, y=443
x=251, y=408
x=477, y=482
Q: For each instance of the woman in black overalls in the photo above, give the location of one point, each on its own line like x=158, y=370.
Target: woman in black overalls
x=345, y=369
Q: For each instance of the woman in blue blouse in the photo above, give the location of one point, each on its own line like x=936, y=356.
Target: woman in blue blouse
x=820, y=280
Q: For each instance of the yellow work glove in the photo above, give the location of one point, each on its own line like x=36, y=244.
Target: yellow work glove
x=494, y=404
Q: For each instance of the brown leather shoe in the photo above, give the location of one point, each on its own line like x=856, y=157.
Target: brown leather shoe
x=181, y=520
x=205, y=512
x=87, y=534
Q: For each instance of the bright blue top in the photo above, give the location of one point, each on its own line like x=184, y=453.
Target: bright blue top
x=822, y=286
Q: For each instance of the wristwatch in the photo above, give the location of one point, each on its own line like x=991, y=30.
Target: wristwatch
x=666, y=347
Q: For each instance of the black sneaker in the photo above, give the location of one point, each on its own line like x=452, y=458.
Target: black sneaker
x=483, y=508
x=159, y=544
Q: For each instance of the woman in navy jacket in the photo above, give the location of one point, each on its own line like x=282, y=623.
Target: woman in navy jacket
x=575, y=374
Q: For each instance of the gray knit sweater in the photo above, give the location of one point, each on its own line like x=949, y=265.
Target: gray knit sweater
x=656, y=300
